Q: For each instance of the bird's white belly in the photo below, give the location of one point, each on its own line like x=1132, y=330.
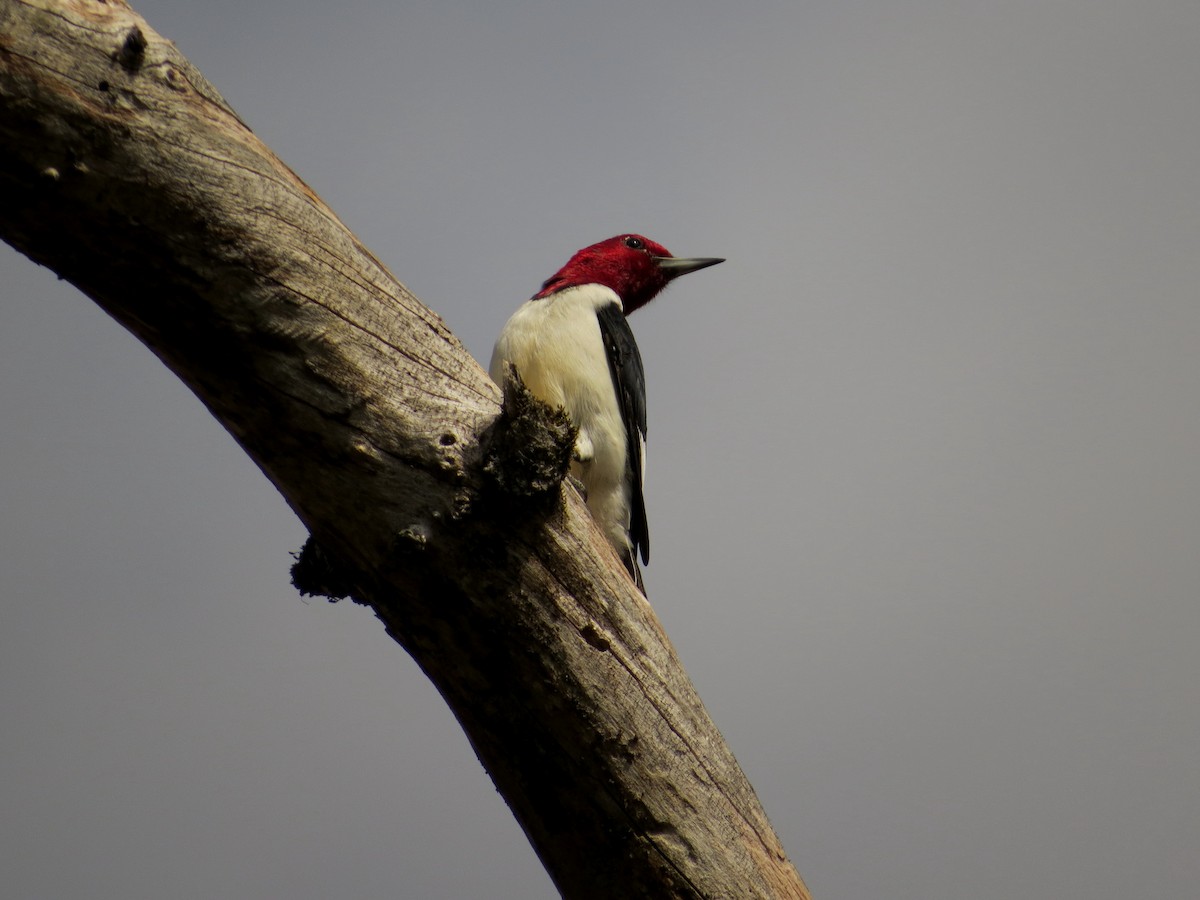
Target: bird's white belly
x=556, y=347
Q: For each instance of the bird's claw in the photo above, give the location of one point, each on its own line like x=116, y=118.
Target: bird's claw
x=578, y=485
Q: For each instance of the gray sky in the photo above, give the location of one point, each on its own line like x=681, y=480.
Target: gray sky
x=923, y=481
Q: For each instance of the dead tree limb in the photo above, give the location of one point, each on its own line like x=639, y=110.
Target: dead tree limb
x=126, y=173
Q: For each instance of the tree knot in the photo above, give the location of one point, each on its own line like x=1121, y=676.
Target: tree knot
x=529, y=447
x=133, y=51
x=318, y=573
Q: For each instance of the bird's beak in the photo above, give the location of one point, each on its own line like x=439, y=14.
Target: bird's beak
x=673, y=267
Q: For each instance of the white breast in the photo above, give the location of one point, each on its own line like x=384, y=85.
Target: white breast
x=555, y=345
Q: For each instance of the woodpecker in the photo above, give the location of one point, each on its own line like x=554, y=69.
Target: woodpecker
x=573, y=348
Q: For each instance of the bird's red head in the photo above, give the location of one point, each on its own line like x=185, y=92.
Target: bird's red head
x=635, y=267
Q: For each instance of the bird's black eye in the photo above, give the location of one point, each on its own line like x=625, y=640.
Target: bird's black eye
x=634, y=243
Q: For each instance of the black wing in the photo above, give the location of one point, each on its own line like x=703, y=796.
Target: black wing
x=629, y=380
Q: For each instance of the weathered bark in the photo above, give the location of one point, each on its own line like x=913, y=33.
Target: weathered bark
x=125, y=172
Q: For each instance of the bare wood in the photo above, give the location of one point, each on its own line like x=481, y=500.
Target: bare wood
x=125, y=172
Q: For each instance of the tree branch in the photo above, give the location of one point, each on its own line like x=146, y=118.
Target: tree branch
x=126, y=173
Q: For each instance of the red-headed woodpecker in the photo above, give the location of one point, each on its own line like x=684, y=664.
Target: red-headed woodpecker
x=572, y=347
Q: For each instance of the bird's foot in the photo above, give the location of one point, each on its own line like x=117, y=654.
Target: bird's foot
x=578, y=485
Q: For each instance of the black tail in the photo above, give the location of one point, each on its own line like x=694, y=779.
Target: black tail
x=636, y=571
